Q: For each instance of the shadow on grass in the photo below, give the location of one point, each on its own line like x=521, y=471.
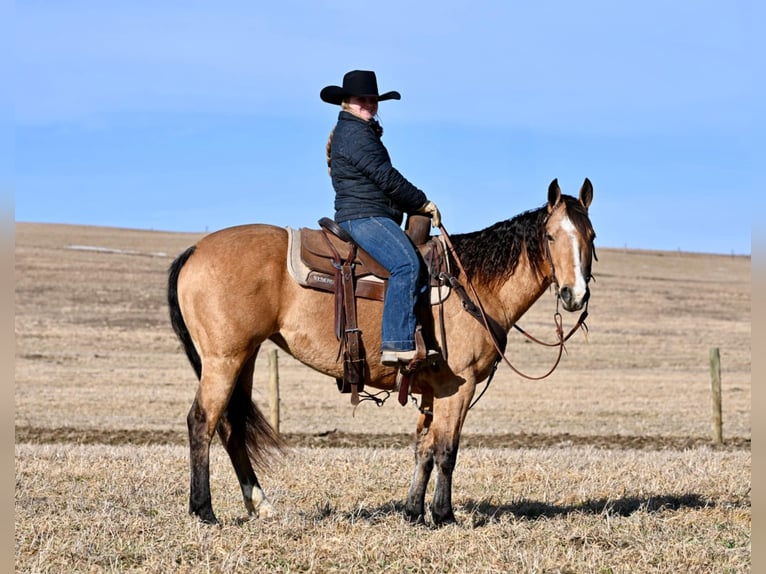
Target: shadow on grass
x=483, y=513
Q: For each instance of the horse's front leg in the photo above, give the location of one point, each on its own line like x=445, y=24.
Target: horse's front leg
x=449, y=415
x=445, y=457
x=424, y=463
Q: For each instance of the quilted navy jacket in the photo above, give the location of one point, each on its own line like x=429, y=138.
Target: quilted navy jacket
x=365, y=182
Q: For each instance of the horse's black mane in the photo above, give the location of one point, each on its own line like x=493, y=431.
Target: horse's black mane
x=492, y=254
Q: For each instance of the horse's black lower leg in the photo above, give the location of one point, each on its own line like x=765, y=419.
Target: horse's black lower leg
x=424, y=463
x=252, y=493
x=445, y=455
x=200, y=502
x=233, y=440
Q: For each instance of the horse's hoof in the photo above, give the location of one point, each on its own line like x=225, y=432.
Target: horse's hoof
x=415, y=518
x=207, y=517
x=448, y=518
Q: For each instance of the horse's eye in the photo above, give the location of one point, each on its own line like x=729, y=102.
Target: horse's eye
x=549, y=237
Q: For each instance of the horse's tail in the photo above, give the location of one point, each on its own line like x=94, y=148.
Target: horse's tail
x=262, y=441
x=176, y=318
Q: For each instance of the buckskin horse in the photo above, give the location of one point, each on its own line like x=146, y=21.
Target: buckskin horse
x=232, y=291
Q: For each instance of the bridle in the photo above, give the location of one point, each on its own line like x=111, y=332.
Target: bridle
x=557, y=319
x=486, y=320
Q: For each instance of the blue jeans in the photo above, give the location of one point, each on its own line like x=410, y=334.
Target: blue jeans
x=386, y=241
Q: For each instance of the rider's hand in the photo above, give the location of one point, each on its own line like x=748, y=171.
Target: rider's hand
x=431, y=209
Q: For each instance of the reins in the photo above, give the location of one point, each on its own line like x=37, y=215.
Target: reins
x=485, y=320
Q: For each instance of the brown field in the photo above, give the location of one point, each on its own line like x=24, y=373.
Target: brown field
x=606, y=466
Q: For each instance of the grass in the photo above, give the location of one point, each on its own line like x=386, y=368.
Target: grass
x=114, y=509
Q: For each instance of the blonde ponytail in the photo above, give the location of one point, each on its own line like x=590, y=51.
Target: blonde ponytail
x=328, y=151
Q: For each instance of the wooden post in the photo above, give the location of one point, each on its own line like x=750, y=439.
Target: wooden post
x=274, y=390
x=715, y=384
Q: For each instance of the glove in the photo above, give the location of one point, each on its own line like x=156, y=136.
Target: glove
x=431, y=209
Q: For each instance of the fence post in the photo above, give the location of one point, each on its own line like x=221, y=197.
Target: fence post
x=274, y=390
x=715, y=384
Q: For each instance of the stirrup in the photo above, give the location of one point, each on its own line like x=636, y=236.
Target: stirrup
x=400, y=358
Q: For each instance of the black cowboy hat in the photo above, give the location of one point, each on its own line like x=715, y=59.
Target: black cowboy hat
x=359, y=83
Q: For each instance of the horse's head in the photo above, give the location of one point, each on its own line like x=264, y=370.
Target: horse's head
x=569, y=236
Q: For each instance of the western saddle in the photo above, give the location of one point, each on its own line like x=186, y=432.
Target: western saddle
x=331, y=261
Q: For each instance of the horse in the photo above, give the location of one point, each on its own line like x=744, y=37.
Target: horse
x=231, y=291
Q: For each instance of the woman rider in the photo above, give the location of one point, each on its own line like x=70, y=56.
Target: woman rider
x=371, y=197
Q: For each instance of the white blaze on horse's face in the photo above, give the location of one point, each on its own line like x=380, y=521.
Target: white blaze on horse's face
x=570, y=246
x=566, y=255
x=580, y=286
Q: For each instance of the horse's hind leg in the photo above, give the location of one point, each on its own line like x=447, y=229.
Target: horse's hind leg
x=236, y=431
x=216, y=385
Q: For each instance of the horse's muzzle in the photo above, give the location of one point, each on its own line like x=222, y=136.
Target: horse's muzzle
x=570, y=300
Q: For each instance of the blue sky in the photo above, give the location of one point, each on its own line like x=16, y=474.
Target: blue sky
x=193, y=116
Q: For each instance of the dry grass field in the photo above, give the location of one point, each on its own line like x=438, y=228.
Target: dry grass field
x=606, y=466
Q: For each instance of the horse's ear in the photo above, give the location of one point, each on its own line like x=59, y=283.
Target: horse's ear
x=554, y=194
x=586, y=193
